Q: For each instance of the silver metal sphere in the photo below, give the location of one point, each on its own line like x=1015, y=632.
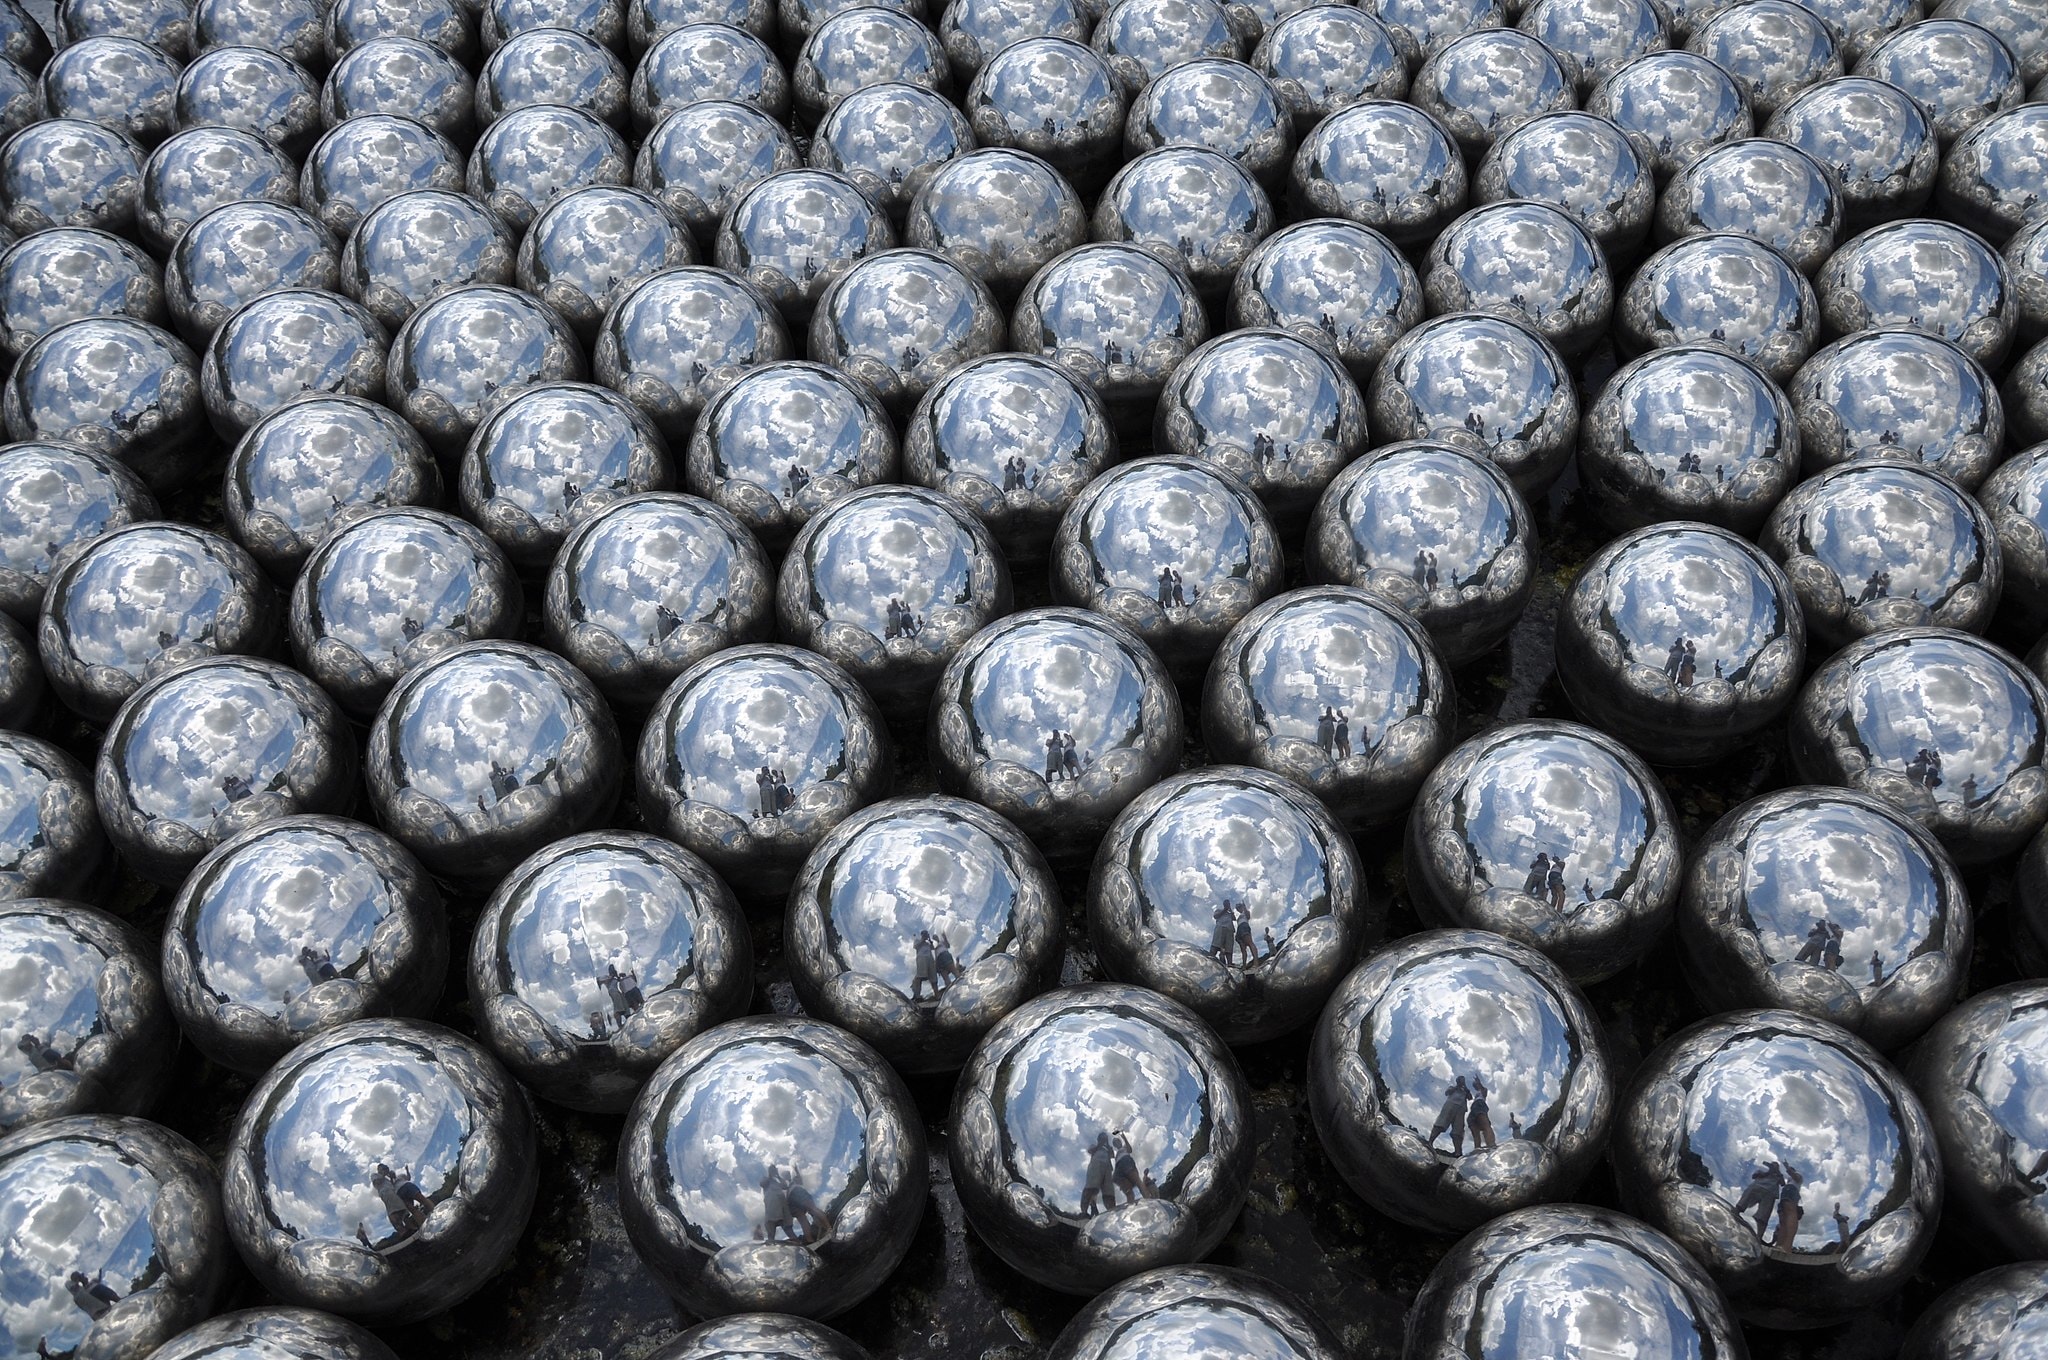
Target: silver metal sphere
x=122, y=388
x=193, y=172
x=982, y=903
x=1960, y=73
x=863, y=46
x=294, y=927
x=165, y=24
x=402, y=75
x=141, y=1254
x=1332, y=280
x=1384, y=164
x=121, y=83
x=70, y=273
x=1191, y=851
x=304, y=469
x=86, y=1031
x=795, y=232
x=1489, y=383
x=1689, y=433
x=1584, y=165
x=1098, y=1132
x=2012, y=23
x=1143, y=39
x=237, y=253
x=445, y=24
x=1870, y=546
x=819, y=1123
x=1773, y=48
x=465, y=351
x=999, y=214
x=1489, y=82
x=1898, y=396
x=22, y=38
x=679, y=338
x=1831, y=903
x=145, y=599
x=898, y=321
x=391, y=589
x=703, y=155
x=601, y=955
x=532, y=156
x=1113, y=314
x=502, y=22
x=1420, y=27
x=371, y=159
x=487, y=749
x=1166, y=1311
x=1014, y=439
x=1056, y=719
x=650, y=585
x=1420, y=1041
x=2025, y=396
x=54, y=499
x=1787, y=1158
x=891, y=139
x=21, y=676
x=66, y=172
x=1526, y=261
x=1860, y=25
x=784, y=440
x=744, y=1335
x=1197, y=209
x=1327, y=57
x=1596, y=38
x=255, y=90
x=294, y=29
x=699, y=61
x=753, y=755
x=1994, y=1313
x=1678, y=102
x=1681, y=639
x=412, y=248
x=1387, y=522
x=1554, y=1275
x=2016, y=499
x=1337, y=690
x=383, y=1170
x=1219, y=105
x=1056, y=99
x=1758, y=187
x=2026, y=263
x=1941, y=725
x=1876, y=139
x=284, y=347
x=1922, y=275
x=973, y=31
x=547, y=458
x=259, y=1333
x=1991, y=179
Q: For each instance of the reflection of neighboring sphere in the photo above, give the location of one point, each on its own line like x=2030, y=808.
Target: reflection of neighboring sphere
x=1143, y=39
x=1767, y=880
x=1980, y=1070
x=22, y=39
x=292, y=28
x=461, y=354
x=411, y=248
x=50, y=841
x=1679, y=102
x=1114, y=315
x=1218, y=104
x=1898, y=396
x=1585, y=165
x=294, y=927
x=402, y=75
x=1922, y=275
x=863, y=46
x=2026, y=262
x=2025, y=395
x=165, y=24
x=254, y=89
x=1722, y=291
x=1483, y=85
x=21, y=676
x=119, y=82
x=707, y=61
x=1992, y=1314
x=260, y=1333
x=1596, y=38
x=974, y=31
x=1527, y=261
x=1420, y=27
x=898, y=321
x=287, y=346
x=1875, y=138
x=745, y=1335
x=999, y=214
x=372, y=159
x=1773, y=48
x=2015, y=496
x=703, y=155
x=90, y=1034
x=1486, y=382
x=552, y=65
x=1333, y=280
x=1165, y=1311
x=59, y=498
x=122, y=388
x=449, y=25
x=193, y=172
x=1383, y=164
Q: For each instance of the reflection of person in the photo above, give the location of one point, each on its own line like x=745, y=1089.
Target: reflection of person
x=317, y=965
x=1816, y=944
x=1096, y=1187
x=1271, y=948
x=927, y=971
x=1430, y=576
x=1246, y=950
x=1841, y=1226
x=775, y=1208
x=1674, y=658
x=817, y=1227
x=1761, y=1194
x=1165, y=587
x=1789, y=1212
x=1124, y=1176
x=1054, y=750
x=1924, y=769
x=1831, y=952
x=1342, y=736
x=1223, y=933
x=405, y=1204
x=1451, y=1118
x=949, y=968
x=93, y=1296
x=1479, y=1118
x=1538, y=882
x=764, y=787
x=1688, y=666
x=1876, y=966
x=42, y=1056
x=1070, y=762
x=624, y=991
x=1326, y=728
x=1554, y=881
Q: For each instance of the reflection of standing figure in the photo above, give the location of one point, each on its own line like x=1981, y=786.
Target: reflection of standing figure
x=1070, y=763
x=1554, y=881
x=1514, y=1126
x=1674, y=658
x=1224, y=931
x=1816, y=945
x=94, y=1297
x=1342, y=736
x=317, y=965
x=1422, y=568
x=1096, y=1186
x=1761, y=1194
x=784, y=799
x=405, y=1204
x=1480, y=1118
x=1451, y=1118
x=1688, y=668
x=1165, y=587
x=1789, y=1212
x=1873, y=587
x=1125, y=1175
x=1054, y=749
x=1876, y=966
x=1271, y=948
x=1831, y=953
x=1247, y=951
x=1326, y=729
x=817, y=1227
x=503, y=781
x=666, y=621
x=1180, y=597
x=764, y=786
x=949, y=969
x=775, y=1207
x=42, y=1056
x=1841, y=1226
x=1538, y=882
x=1430, y=583
x=927, y=972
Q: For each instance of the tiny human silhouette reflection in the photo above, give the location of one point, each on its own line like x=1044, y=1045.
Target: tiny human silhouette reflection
x=1774, y=1187
x=1545, y=882
x=936, y=968
x=1875, y=587
x=772, y=792
x=1113, y=1170
x=1823, y=947
x=405, y=1204
x=43, y=1055
x=317, y=964
x=622, y=992
x=1924, y=769
x=1681, y=663
x=797, y=478
x=1231, y=942
x=901, y=621
x=1062, y=760
x=1172, y=593
x=94, y=1296
x=788, y=1206
x=1333, y=733
x=1425, y=569
x=1017, y=475
x=1466, y=1111
x=236, y=787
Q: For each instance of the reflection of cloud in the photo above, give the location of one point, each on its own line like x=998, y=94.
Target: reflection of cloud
x=73, y=1204
x=1950, y=696
x=1521, y=800
x=748, y=711
x=1587, y=1295
x=1684, y=585
x=2012, y=1077
x=580, y=915
x=1222, y=841
x=1049, y=675
x=1831, y=860
x=924, y=870
x=1343, y=653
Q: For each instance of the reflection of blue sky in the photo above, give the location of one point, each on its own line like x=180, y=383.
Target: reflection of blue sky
x=2012, y=1078
x=49, y=987
x=1085, y=1072
x=123, y=595
x=791, y=414
x=26, y=774
x=1004, y=407
x=1221, y=840
x=375, y=576
x=1684, y=584
x=638, y=557
x=1466, y=1013
x=1891, y=517
x=1102, y=295
x=1053, y=675
x=1699, y=403
x=1584, y=1295
x=1480, y=367
x=1954, y=695
x=1344, y=653
x=492, y=706
x=925, y=870
x=1847, y=864
x=894, y=544
x=579, y=915
x=751, y=710
x=1151, y=515
x=73, y=1205
x=207, y=721
x=328, y=1125
x=1427, y=498
x=1805, y=1105
x=1201, y=1328
x=761, y=1104
x=1547, y=796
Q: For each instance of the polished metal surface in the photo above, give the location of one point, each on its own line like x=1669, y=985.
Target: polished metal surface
x=2025, y=396
x=1727, y=292
x=703, y=155
x=532, y=156
x=2026, y=263
x=402, y=75
x=122, y=83
x=2011, y=22
x=1421, y=27
x=1961, y=73
x=122, y=388
x=502, y=22
x=891, y=139
x=1596, y=38
x=1998, y=1312
x=21, y=676
x=1898, y=396
x=2015, y=497
x=253, y=89
x=1115, y=316
x=1773, y=48
x=460, y=354
x=742, y=1336
x=69, y=273
x=1585, y=165
x=1679, y=102
x=1989, y=181
x=1176, y=1309
x=793, y=233
x=677, y=339
x=291, y=28
x=1197, y=209
x=1218, y=104
x=165, y=24
x=974, y=31
x=707, y=61
x=449, y=25
x=1922, y=275
x=56, y=498
x=287, y=346
x=899, y=320
x=862, y=46
x=1000, y=214
x=240, y=251
x=1055, y=98
x=1383, y=164
x=66, y=172
x=193, y=172
x=85, y=1029
x=263, y=1333
x=411, y=248
x=1758, y=187
x=1326, y=57
x=1876, y=138
x=552, y=65
x=1529, y=262
x=294, y=927
x=1484, y=84
x=1143, y=39
x=1333, y=280
x=372, y=159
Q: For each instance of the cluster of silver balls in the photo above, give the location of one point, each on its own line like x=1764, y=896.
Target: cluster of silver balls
x=660, y=403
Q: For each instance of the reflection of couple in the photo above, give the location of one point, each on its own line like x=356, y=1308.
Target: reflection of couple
x=901, y=622
x=1171, y=592
x=788, y=1205
x=1465, y=1110
x=936, y=969
x=772, y=788
x=93, y=1296
x=43, y=1055
x=1546, y=879
x=798, y=477
x=1924, y=769
x=405, y=1204
x=1015, y=474
x=1113, y=1168
x=1823, y=947
x=1425, y=569
x=1062, y=761
x=623, y=991
x=1234, y=927
x=1681, y=663
x=1876, y=587
x=1333, y=733
x=317, y=964
x=1772, y=1186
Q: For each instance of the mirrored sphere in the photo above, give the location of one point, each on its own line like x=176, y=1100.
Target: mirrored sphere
x=677, y=339
x=1197, y=209
x=1922, y=275
x=448, y=25
x=1327, y=57
x=22, y=39
x=651, y=584
x=1337, y=690
x=398, y=74
x=703, y=155
x=1098, y=1132
x=1727, y=292
x=1876, y=139
x=166, y=24
x=817, y=1122
x=500, y=23
x=1334, y=280
x=291, y=28
x=262, y=1333
x=898, y=321
x=601, y=955
x=1486, y=83
x=2026, y=263
x=1940, y=724
x=371, y=159
x=1487, y=382
x=193, y=172
x=50, y=841
x=1056, y=99
x=1733, y=1124
x=1143, y=39
x=1991, y=179
x=1421, y=27
x=72, y=272
x=1998, y=1312
x=118, y=82
x=1898, y=396
x=464, y=352
x=237, y=253
x=793, y=233
x=284, y=347
x=294, y=927
x=487, y=749
x=86, y=1031
x=147, y=1215
x=973, y=31
x=412, y=248
x=1220, y=105
x=1555, y=1274
x=745, y=1335
x=2015, y=496
x=1114, y=315
x=1526, y=261
x=1759, y=187
x=145, y=599
x=122, y=388
x=1831, y=903
x=1680, y=639
x=552, y=65
x=383, y=1170
x=1960, y=73
x=1585, y=165
x=753, y=755
x=532, y=156
x=1678, y=102
x=890, y=139
x=1596, y=38
x=254, y=89
x=999, y=214
x=2011, y=23
x=862, y=46
x=54, y=499
x=66, y=172
x=984, y=908
x=1166, y=1311
x=707, y=61
x=21, y=676
x=1773, y=48
x=1383, y=164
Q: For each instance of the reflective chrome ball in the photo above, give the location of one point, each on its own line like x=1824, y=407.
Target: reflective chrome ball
x=2016, y=499
x=384, y=1170
x=121, y=83
x=2025, y=396
x=1526, y=261
x=291, y=28
x=1055, y=718
x=1115, y=316
x=1337, y=690
x=999, y=214
x=601, y=955
x=753, y=755
x=1330, y=279
x=2026, y=263
x=1759, y=187
x=1773, y=48
x=1898, y=396
x=983, y=907
x=145, y=599
x=85, y=1029
x=449, y=25
x=703, y=155
x=256, y=1333
x=1195, y=208
x=141, y=1197
x=677, y=339
x=416, y=246
x=1681, y=639
x=487, y=749
x=1596, y=38
x=973, y=31
x=1219, y=105
x=1922, y=275
x=1940, y=724
x=1484, y=84
x=1166, y=1311
x=1689, y=433
x=2011, y=23
x=392, y=589
x=532, y=156
x=1421, y=27
x=812, y=1118
x=1585, y=165
x=1383, y=164
x=69, y=273
x=294, y=927
x=213, y=748
x=66, y=172
x=1488, y=382
x=287, y=346
x=1960, y=73
x=747, y=1334
x=122, y=388
x=21, y=676
x=552, y=65
x=165, y=24
x=1327, y=57
x=1831, y=903
x=1727, y=292
x=862, y=46
x=1056, y=99
x=402, y=75
x=1734, y=1123
x=1990, y=179
x=1874, y=136
x=57, y=498
x=463, y=352
x=254, y=89
x=1678, y=102
x=1998, y=1311
x=1143, y=39
x=22, y=39
x=195, y=171
x=898, y=321
x=1098, y=1132
x=1556, y=1274
x=372, y=159
x=707, y=61
x=500, y=23
x=890, y=139
x=649, y=585
x=237, y=253
x=793, y=233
